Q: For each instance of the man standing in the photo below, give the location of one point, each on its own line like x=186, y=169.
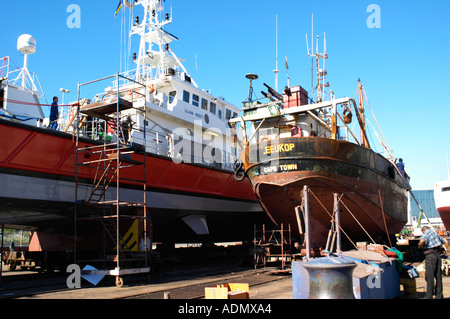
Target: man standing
x=127, y=126
x=432, y=243
x=54, y=114
x=401, y=167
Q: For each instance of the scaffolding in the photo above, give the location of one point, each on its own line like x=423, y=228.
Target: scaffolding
x=108, y=162
x=272, y=245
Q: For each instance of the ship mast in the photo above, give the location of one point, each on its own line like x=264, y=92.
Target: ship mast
x=364, y=141
x=151, y=62
x=320, y=72
x=276, y=71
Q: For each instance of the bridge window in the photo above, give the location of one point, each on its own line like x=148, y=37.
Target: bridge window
x=212, y=107
x=195, y=100
x=228, y=114
x=205, y=104
x=186, y=96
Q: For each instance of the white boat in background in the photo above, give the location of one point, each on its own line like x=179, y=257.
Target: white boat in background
x=442, y=200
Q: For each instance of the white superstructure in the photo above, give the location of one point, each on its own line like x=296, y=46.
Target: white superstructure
x=182, y=121
x=20, y=90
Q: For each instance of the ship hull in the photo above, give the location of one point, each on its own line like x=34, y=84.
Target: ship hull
x=442, y=200
x=372, y=190
x=444, y=212
x=38, y=182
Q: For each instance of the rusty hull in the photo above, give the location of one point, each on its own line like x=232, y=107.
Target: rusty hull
x=279, y=169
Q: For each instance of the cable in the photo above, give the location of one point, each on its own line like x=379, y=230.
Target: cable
x=30, y=103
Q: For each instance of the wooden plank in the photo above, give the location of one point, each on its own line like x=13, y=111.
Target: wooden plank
x=102, y=108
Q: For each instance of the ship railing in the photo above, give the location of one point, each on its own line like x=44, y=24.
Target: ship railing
x=148, y=73
x=4, y=67
x=226, y=161
x=32, y=80
x=157, y=142
x=324, y=114
x=158, y=139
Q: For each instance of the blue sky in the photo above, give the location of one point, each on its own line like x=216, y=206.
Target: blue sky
x=403, y=65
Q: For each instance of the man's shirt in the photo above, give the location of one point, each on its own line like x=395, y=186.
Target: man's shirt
x=432, y=239
x=54, y=111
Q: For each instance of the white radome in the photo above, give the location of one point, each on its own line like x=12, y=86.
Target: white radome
x=26, y=44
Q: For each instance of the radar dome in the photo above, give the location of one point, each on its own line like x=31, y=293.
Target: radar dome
x=26, y=44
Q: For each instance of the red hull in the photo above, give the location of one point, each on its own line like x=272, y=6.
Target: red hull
x=444, y=212
x=176, y=190
x=53, y=153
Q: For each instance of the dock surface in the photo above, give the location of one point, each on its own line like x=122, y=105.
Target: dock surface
x=186, y=284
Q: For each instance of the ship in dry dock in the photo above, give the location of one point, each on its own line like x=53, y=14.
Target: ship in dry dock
x=174, y=155
x=442, y=200
x=293, y=141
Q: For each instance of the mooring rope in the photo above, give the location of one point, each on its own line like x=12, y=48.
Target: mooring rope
x=354, y=217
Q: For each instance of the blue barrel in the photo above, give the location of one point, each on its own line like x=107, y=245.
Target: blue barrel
x=330, y=278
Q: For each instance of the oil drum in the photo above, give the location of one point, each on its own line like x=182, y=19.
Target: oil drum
x=330, y=278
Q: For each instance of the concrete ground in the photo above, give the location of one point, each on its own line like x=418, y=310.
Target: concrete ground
x=281, y=288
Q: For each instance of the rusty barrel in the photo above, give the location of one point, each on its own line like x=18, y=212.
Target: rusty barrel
x=330, y=278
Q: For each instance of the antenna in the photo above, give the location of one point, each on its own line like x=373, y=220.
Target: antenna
x=251, y=77
x=311, y=53
x=287, y=72
x=320, y=72
x=26, y=44
x=276, y=53
x=312, y=32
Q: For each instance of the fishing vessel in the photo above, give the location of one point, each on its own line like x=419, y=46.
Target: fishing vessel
x=442, y=200
x=166, y=136
x=295, y=140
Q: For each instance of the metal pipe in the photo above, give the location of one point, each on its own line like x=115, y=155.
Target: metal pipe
x=333, y=241
x=338, y=222
x=307, y=223
x=327, y=246
x=145, y=190
x=118, y=246
x=299, y=220
x=101, y=79
x=77, y=146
